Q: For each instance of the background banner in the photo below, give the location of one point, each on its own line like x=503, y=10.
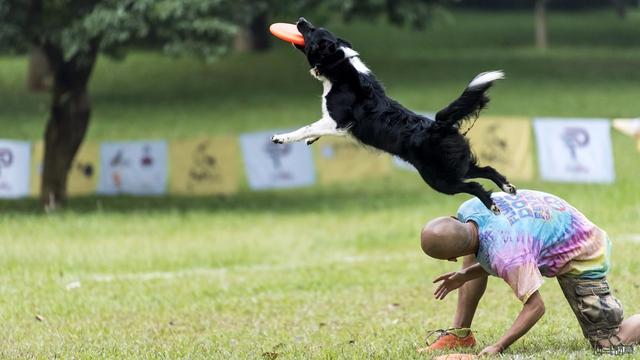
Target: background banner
x=15, y=157
x=133, y=167
x=504, y=144
x=630, y=127
x=574, y=150
x=273, y=166
x=341, y=159
x=83, y=175
x=204, y=166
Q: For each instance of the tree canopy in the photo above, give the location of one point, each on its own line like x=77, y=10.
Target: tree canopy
x=76, y=27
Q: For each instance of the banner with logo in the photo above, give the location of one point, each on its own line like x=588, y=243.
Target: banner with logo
x=574, y=150
x=133, y=167
x=204, y=166
x=274, y=166
x=504, y=144
x=15, y=157
x=83, y=174
x=341, y=159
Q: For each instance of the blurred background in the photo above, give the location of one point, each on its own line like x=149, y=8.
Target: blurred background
x=146, y=214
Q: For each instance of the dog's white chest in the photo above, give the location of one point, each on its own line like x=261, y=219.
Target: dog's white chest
x=326, y=87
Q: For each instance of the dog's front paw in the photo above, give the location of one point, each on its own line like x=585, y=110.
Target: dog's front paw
x=277, y=139
x=312, y=140
x=509, y=188
x=495, y=209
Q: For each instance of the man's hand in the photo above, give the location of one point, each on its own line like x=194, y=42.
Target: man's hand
x=491, y=350
x=455, y=279
x=450, y=282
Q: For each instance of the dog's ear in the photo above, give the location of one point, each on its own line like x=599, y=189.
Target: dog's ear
x=331, y=48
x=343, y=42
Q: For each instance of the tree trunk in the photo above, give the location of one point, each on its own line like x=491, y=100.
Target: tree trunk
x=258, y=33
x=540, y=20
x=621, y=8
x=67, y=124
x=255, y=36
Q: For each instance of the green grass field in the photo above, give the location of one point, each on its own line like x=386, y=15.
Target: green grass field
x=322, y=272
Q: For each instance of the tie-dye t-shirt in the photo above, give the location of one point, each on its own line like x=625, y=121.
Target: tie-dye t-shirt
x=537, y=234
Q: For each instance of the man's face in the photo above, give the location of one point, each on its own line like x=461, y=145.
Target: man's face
x=453, y=259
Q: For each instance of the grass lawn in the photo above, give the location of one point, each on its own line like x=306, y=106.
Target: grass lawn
x=322, y=272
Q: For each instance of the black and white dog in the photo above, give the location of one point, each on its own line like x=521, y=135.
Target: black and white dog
x=353, y=102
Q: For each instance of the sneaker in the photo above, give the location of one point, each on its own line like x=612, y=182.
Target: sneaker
x=449, y=339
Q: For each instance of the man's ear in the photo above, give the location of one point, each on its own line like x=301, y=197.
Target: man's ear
x=343, y=42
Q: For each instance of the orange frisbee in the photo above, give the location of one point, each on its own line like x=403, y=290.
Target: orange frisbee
x=287, y=32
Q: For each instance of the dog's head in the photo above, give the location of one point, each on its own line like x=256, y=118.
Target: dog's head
x=321, y=47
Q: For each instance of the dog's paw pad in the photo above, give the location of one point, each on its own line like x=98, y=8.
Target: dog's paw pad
x=311, y=141
x=509, y=188
x=495, y=209
x=276, y=140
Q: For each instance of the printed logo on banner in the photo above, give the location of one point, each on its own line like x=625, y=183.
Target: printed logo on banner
x=342, y=159
x=15, y=157
x=575, y=150
x=83, y=174
x=204, y=166
x=272, y=166
x=505, y=144
x=136, y=167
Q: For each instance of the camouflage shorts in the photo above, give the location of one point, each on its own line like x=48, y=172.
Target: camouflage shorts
x=598, y=311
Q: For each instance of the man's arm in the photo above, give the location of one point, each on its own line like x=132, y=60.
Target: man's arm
x=531, y=312
x=455, y=279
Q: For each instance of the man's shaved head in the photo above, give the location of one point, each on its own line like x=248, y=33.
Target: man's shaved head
x=447, y=238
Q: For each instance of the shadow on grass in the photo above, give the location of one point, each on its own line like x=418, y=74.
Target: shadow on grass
x=309, y=200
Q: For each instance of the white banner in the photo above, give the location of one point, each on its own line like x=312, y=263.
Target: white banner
x=134, y=167
x=15, y=164
x=574, y=150
x=274, y=166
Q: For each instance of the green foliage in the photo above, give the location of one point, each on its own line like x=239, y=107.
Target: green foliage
x=414, y=13
x=203, y=27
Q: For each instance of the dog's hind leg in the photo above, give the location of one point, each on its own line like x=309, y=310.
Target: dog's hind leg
x=456, y=186
x=487, y=172
x=476, y=190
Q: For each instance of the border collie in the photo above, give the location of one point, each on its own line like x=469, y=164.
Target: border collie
x=354, y=102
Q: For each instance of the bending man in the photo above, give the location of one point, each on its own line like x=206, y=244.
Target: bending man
x=537, y=234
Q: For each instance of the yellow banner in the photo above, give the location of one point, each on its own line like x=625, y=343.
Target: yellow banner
x=204, y=166
x=343, y=160
x=504, y=144
x=83, y=175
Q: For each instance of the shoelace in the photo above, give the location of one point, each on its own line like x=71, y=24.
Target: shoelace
x=441, y=333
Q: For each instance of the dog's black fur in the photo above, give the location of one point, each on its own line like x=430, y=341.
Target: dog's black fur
x=357, y=102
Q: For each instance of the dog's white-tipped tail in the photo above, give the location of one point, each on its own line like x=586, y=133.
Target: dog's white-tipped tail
x=486, y=77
